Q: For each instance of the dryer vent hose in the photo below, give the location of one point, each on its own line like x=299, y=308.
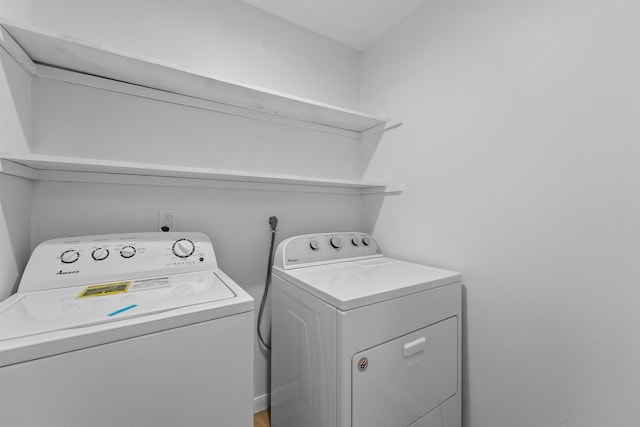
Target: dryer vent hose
x=273, y=222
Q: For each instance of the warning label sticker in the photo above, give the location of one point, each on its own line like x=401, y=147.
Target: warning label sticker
x=105, y=289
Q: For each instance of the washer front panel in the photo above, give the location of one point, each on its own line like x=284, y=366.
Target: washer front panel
x=176, y=377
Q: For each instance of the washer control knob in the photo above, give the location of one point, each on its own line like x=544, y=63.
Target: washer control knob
x=314, y=245
x=127, y=252
x=69, y=256
x=100, y=254
x=355, y=241
x=335, y=242
x=366, y=241
x=183, y=248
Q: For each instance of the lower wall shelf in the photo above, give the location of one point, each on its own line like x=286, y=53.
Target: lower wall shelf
x=71, y=169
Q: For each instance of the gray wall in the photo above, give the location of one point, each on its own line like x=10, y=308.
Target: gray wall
x=15, y=136
x=519, y=154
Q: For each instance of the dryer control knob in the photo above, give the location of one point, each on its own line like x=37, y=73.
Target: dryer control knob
x=336, y=242
x=366, y=241
x=355, y=241
x=314, y=245
x=183, y=248
x=100, y=254
x=69, y=256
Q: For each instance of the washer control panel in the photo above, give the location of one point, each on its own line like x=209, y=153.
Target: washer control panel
x=91, y=259
x=311, y=249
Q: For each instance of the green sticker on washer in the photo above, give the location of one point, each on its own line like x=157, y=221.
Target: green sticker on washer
x=105, y=289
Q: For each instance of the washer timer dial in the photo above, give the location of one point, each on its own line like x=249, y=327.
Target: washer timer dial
x=183, y=248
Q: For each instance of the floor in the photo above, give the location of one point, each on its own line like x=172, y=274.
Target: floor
x=261, y=419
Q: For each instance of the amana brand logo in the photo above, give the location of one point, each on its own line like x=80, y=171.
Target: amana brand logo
x=293, y=259
x=60, y=273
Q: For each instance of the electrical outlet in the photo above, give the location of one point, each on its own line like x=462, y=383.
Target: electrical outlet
x=168, y=220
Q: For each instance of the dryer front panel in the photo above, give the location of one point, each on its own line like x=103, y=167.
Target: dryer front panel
x=398, y=382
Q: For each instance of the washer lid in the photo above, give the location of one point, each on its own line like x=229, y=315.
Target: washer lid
x=36, y=324
x=354, y=284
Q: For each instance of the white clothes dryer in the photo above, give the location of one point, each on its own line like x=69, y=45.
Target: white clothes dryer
x=139, y=329
x=360, y=339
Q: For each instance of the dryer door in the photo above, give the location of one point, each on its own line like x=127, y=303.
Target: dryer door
x=397, y=382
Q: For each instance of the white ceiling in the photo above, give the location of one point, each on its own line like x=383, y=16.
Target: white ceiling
x=355, y=23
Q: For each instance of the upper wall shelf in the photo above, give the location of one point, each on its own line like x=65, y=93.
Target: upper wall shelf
x=61, y=57
x=73, y=169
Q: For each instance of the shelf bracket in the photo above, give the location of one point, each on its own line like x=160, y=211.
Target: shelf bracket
x=380, y=129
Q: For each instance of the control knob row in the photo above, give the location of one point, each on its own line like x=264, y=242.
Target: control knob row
x=366, y=241
x=182, y=248
x=336, y=242
x=98, y=254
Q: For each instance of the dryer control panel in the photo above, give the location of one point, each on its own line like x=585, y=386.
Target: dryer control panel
x=325, y=248
x=102, y=258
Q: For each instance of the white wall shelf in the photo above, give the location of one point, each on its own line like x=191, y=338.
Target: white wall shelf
x=57, y=56
x=71, y=169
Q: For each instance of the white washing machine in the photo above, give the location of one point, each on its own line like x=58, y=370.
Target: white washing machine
x=360, y=339
x=139, y=329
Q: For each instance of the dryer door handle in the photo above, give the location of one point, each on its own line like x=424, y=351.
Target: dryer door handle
x=413, y=347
